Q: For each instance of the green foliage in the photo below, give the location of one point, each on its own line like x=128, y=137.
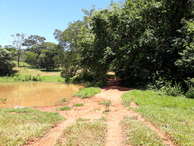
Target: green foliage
x=140, y=41
x=31, y=58
x=5, y=62
x=65, y=108
x=190, y=93
x=166, y=87
x=89, y=79
x=87, y=92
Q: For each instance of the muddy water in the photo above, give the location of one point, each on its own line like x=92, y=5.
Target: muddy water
x=35, y=94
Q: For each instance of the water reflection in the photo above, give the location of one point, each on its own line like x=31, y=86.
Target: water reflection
x=30, y=94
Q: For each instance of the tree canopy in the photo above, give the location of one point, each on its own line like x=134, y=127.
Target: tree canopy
x=141, y=41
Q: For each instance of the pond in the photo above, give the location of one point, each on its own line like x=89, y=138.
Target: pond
x=30, y=94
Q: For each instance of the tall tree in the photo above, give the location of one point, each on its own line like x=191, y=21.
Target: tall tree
x=32, y=40
x=46, y=58
x=17, y=43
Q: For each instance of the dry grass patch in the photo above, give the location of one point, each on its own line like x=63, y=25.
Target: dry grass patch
x=84, y=134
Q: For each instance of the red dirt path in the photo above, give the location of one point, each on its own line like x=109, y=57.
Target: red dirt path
x=92, y=110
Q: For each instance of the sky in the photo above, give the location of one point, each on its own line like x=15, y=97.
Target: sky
x=41, y=17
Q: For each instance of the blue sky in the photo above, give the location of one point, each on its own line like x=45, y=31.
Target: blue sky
x=41, y=17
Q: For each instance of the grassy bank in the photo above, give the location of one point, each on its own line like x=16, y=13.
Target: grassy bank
x=26, y=73
x=84, y=133
x=88, y=92
x=174, y=115
x=23, y=124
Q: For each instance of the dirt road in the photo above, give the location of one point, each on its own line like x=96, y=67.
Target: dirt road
x=93, y=110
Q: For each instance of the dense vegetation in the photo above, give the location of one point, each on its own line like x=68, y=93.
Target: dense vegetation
x=141, y=41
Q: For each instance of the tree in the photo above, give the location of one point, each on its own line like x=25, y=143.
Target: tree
x=32, y=40
x=31, y=58
x=140, y=41
x=17, y=43
x=68, y=42
x=48, y=52
x=5, y=64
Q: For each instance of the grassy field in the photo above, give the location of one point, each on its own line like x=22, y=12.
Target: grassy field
x=84, y=133
x=26, y=73
x=174, y=115
x=23, y=124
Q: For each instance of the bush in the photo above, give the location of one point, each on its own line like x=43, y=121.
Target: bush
x=190, y=93
x=166, y=87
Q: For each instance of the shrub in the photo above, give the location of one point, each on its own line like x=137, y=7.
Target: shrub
x=166, y=87
x=190, y=93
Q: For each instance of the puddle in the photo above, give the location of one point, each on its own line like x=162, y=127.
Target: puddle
x=30, y=94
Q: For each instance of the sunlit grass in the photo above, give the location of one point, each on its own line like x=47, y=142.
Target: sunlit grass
x=138, y=133
x=87, y=92
x=84, y=134
x=174, y=115
x=20, y=125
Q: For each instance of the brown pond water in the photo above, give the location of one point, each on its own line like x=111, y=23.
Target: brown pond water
x=35, y=94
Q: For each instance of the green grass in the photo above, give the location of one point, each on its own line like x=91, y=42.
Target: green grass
x=174, y=115
x=87, y=92
x=20, y=125
x=138, y=133
x=84, y=134
x=26, y=78
x=64, y=108
x=78, y=104
x=22, y=64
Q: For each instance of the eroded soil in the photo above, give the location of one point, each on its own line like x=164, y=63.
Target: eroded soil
x=93, y=110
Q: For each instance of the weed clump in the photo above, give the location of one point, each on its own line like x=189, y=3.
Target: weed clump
x=63, y=101
x=65, y=108
x=78, y=104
